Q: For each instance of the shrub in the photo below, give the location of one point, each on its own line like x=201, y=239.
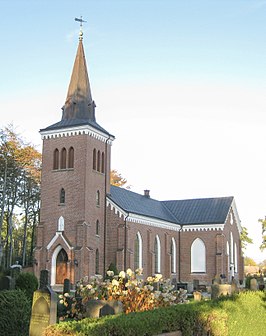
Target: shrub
x=28, y=283
x=15, y=313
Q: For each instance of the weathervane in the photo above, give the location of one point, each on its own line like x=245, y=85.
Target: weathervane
x=80, y=32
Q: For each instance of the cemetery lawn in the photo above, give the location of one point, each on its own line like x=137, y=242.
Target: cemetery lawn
x=246, y=313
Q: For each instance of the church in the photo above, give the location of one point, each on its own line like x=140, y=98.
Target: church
x=86, y=224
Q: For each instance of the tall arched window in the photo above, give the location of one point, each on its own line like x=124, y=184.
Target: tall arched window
x=97, y=228
x=71, y=157
x=236, y=268
x=62, y=196
x=173, y=256
x=231, y=248
x=98, y=161
x=102, y=170
x=97, y=259
x=94, y=159
x=198, y=256
x=157, y=255
x=138, y=251
x=56, y=159
x=63, y=159
x=98, y=198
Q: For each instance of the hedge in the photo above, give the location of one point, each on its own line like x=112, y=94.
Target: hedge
x=242, y=314
x=15, y=311
x=28, y=283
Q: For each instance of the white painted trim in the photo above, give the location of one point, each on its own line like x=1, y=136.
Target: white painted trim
x=203, y=227
x=55, y=237
x=238, y=221
x=77, y=130
x=159, y=254
x=53, y=264
x=140, y=249
x=173, y=256
x=153, y=222
x=118, y=210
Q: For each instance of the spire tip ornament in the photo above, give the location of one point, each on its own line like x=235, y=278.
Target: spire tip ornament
x=80, y=31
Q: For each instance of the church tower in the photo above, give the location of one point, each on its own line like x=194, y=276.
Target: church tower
x=71, y=236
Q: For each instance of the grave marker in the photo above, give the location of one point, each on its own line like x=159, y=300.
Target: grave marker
x=44, y=307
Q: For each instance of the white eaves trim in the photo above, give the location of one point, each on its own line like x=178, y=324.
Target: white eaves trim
x=203, y=227
x=118, y=210
x=238, y=221
x=55, y=237
x=77, y=130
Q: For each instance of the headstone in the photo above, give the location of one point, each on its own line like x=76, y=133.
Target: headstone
x=7, y=283
x=44, y=307
x=195, y=284
x=220, y=289
x=234, y=286
x=253, y=284
x=66, y=288
x=197, y=296
x=97, y=308
x=15, y=271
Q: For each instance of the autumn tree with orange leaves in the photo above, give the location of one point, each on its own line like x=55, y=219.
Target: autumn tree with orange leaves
x=20, y=170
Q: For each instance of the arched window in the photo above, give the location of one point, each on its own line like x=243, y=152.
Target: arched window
x=138, y=251
x=157, y=254
x=98, y=161
x=56, y=159
x=97, y=259
x=198, y=256
x=97, y=228
x=173, y=256
x=231, y=248
x=63, y=159
x=228, y=256
x=94, y=160
x=236, y=268
x=62, y=196
x=102, y=170
x=71, y=157
x=98, y=198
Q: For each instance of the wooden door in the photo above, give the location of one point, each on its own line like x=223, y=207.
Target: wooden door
x=61, y=267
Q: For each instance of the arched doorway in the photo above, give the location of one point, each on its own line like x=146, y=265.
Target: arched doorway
x=61, y=266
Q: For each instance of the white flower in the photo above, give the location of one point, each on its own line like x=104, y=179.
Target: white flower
x=61, y=301
x=89, y=286
x=110, y=273
x=139, y=271
x=122, y=274
x=129, y=272
x=60, y=296
x=115, y=282
x=158, y=276
x=150, y=279
x=66, y=295
x=92, y=291
x=150, y=287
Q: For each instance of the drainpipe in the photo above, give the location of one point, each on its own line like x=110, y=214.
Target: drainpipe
x=179, y=253
x=125, y=245
x=105, y=204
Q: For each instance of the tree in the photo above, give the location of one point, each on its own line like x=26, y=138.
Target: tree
x=249, y=262
x=20, y=165
x=263, y=233
x=116, y=178
x=244, y=238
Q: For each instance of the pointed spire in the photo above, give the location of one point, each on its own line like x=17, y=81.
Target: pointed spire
x=79, y=103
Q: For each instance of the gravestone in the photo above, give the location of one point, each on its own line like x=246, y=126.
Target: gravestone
x=197, y=296
x=253, y=284
x=98, y=308
x=15, y=270
x=195, y=284
x=234, y=286
x=220, y=290
x=7, y=283
x=66, y=288
x=44, y=307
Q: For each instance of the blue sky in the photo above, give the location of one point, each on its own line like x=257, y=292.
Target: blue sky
x=181, y=84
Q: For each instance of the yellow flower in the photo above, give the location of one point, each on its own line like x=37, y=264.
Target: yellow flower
x=110, y=273
x=129, y=272
x=122, y=274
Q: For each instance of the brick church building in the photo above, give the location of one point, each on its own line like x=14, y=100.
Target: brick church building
x=86, y=223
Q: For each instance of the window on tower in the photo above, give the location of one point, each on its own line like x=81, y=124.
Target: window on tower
x=102, y=170
x=97, y=259
x=94, y=160
x=98, y=160
x=98, y=198
x=56, y=159
x=71, y=157
x=63, y=159
x=62, y=196
x=97, y=228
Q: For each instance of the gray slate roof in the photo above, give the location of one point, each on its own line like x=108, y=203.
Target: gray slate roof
x=75, y=122
x=183, y=212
